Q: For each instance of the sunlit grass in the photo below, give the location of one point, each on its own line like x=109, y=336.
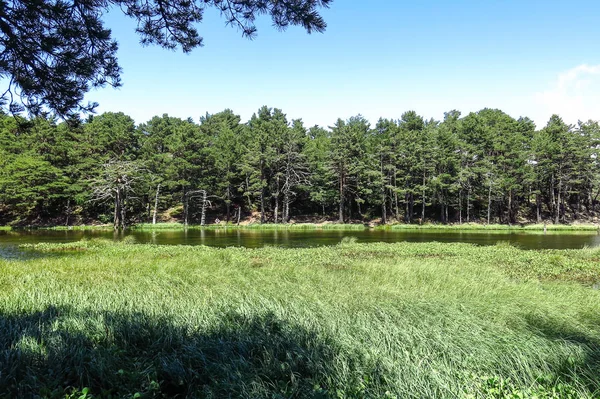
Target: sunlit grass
x=494, y=227
x=254, y=226
x=348, y=226
x=162, y=226
x=354, y=320
x=304, y=226
x=564, y=227
x=81, y=227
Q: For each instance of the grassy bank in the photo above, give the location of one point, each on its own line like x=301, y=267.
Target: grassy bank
x=355, y=320
x=496, y=227
x=254, y=226
x=80, y=227
x=350, y=226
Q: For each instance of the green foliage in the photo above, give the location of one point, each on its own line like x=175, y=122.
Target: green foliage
x=353, y=320
x=485, y=167
x=504, y=388
x=29, y=185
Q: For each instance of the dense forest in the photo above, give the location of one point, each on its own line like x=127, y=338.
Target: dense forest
x=485, y=166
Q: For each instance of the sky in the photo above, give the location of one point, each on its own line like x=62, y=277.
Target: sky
x=377, y=58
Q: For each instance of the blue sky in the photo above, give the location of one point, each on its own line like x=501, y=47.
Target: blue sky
x=377, y=58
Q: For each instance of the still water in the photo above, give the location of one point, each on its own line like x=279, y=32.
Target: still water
x=10, y=240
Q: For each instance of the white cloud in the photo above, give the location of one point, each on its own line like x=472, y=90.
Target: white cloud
x=575, y=95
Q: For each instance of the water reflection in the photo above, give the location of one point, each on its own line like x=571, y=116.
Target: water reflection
x=9, y=240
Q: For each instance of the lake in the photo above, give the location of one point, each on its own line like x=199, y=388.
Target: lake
x=10, y=240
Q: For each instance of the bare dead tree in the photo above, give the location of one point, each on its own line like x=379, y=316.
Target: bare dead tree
x=291, y=169
x=116, y=183
x=155, y=204
x=205, y=203
x=296, y=173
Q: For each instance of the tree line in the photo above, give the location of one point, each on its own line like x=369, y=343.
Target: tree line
x=483, y=167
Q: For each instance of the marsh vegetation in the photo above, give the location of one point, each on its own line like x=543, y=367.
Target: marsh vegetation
x=351, y=320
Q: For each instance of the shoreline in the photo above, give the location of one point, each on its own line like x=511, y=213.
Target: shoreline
x=590, y=227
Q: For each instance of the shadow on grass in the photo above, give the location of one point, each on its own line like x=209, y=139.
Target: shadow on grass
x=15, y=254
x=584, y=371
x=58, y=351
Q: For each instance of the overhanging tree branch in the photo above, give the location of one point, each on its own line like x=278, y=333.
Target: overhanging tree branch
x=53, y=51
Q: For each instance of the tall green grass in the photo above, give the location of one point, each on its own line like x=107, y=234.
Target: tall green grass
x=355, y=320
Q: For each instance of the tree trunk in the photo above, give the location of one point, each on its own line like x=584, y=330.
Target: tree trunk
x=557, y=207
x=68, y=212
x=155, y=205
x=204, y=203
x=286, y=194
x=595, y=200
x=277, y=201
x=510, y=200
x=396, y=196
x=406, y=206
x=411, y=206
x=117, y=215
x=468, y=204
x=446, y=212
x=262, y=193
x=383, y=197
x=248, y=192
x=349, y=211
x=286, y=209
x=341, y=207
x=460, y=206
x=186, y=203
x=123, y=210
x=489, y=208
x=383, y=210
x=423, y=205
x=552, y=194
x=443, y=220
x=262, y=205
x=228, y=204
x=538, y=207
